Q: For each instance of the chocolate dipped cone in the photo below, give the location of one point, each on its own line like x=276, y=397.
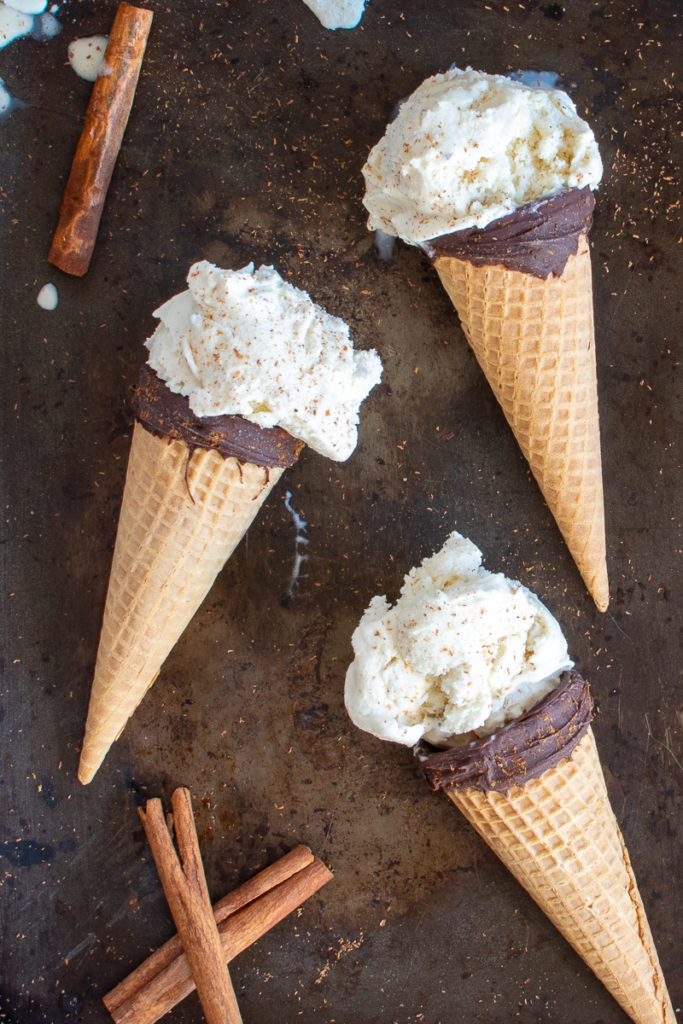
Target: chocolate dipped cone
x=184, y=510
x=533, y=337
x=556, y=832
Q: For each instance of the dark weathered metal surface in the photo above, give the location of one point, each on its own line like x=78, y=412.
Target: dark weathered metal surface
x=247, y=136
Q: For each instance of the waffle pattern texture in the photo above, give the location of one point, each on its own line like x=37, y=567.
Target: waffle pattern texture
x=560, y=839
x=182, y=515
x=534, y=340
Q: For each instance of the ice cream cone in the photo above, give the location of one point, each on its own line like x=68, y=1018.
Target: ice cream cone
x=183, y=513
x=533, y=337
x=460, y=656
x=243, y=371
x=558, y=836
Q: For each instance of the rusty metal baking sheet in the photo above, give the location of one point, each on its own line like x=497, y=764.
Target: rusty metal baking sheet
x=246, y=140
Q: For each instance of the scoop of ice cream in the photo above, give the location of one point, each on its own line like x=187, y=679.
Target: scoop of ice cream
x=246, y=342
x=462, y=649
x=466, y=148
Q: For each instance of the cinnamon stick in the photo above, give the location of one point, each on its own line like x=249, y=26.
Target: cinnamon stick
x=184, y=883
x=125, y=992
x=105, y=122
x=164, y=979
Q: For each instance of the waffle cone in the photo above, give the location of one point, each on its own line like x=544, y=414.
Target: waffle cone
x=560, y=839
x=182, y=515
x=534, y=340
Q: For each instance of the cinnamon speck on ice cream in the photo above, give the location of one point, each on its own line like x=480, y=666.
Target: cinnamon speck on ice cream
x=247, y=343
x=467, y=148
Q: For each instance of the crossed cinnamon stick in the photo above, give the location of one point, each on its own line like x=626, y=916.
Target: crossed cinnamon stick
x=240, y=918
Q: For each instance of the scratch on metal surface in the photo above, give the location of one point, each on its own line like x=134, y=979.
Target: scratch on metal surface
x=660, y=743
x=80, y=947
x=632, y=269
x=257, y=80
x=616, y=625
x=300, y=541
x=84, y=851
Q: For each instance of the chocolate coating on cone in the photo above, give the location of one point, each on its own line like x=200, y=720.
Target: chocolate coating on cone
x=538, y=238
x=523, y=750
x=167, y=414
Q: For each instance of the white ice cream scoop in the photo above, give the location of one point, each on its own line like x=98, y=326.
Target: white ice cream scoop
x=462, y=649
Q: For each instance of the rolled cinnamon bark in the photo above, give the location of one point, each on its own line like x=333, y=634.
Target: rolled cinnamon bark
x=243, y=916
x=184, y=883
x=105, y=122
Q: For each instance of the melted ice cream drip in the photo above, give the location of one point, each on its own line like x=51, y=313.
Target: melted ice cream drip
x=299, y=541
x=48, y=297
x=537, y=79
x=337, y=13
x=20, y=18
x=86, y=57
